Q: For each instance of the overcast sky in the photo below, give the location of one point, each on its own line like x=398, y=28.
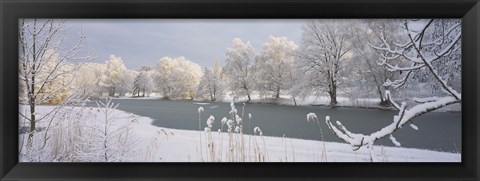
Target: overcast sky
x=144, y=42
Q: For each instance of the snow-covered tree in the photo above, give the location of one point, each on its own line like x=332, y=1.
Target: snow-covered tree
x=127, y=83
x=206, y=87
x=63, y=85
x=46, y=64
x=366, y=75
x=322, y=56
x=177, y=77
x=211, y=85
x=422, y=47
x=115, y=75
x=143, y=82
x=88, y=79
x=238, y=67
x=274, y=65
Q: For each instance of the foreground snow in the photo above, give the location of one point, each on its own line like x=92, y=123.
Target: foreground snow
x=157, y=144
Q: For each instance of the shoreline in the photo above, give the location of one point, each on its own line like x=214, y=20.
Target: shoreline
x=280, y=103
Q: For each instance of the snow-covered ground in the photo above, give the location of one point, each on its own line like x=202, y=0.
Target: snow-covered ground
x=157, y=144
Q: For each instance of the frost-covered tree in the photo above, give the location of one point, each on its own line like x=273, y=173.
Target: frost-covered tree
x=115, y=75
x=211, y=85
x=177, y=77
x=63, y=85
x=322, y=56
x=274, y=64
x=422, y=47
x=88, y=79
x=367, y=76
x=238, y=67
x=143, y=82
x=206, y=87
x=46, y=64
x=127, y=83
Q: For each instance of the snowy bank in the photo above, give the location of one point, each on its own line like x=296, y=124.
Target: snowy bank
x=368, y=103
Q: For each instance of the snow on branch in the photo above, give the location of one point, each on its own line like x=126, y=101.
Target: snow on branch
x=425, y=99
x=404, y=116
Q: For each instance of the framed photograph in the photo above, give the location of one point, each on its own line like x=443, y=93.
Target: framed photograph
x=239, y=90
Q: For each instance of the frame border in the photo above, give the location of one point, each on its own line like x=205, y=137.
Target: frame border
x=11, y=10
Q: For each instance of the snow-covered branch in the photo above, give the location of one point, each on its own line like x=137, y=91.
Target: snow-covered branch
x=405, y=115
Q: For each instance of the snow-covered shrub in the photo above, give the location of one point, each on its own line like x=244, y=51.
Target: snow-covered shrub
x=82, y=134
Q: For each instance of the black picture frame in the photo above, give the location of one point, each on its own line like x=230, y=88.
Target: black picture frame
x=11, y=11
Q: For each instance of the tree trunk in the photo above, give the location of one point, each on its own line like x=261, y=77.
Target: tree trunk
x=278, y=93
x=333, y=99
x=31, y=95
x=112, y=92
x=32, y=123
x=333, y=92
x=294, y=101
x=383, y=102
x=248, y=92
x=214, y=96
x=32, y=103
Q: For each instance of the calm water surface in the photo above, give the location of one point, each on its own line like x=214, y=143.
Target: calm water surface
x=437, y=130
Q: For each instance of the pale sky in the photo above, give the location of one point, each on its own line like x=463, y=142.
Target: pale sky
x=144, y=42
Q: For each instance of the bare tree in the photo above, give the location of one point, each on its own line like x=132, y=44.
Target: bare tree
x=45, y=61
x=420, y=52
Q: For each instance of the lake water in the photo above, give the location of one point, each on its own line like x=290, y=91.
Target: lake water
x=439, y=131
